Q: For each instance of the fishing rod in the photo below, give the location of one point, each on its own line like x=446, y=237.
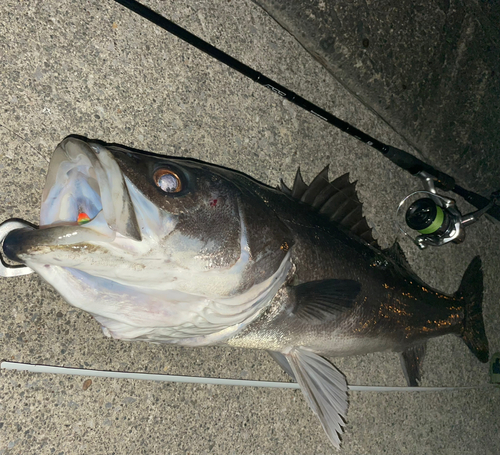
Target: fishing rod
x=436, y=220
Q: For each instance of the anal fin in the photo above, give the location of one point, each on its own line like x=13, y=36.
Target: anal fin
x=324, y=388
x=411, y=362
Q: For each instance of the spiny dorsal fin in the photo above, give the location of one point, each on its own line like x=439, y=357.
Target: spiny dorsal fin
x=284, y=189
x=316, y=186
x=299, y=187
x=337, y=200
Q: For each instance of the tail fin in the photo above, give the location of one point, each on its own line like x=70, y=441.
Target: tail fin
x=471, y=290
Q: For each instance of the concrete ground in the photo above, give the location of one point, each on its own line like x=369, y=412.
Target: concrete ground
x=94, y=69
x=429, y=68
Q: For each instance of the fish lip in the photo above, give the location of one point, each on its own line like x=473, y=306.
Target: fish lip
x=114, y=198
x=25, y=245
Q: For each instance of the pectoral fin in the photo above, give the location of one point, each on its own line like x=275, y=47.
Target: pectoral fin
x=411, y=362
x=325, y=389
x=324, y=299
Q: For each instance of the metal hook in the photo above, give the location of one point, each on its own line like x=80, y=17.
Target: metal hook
x=7, y=270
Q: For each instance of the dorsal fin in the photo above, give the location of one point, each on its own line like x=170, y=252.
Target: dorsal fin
x=299, y=187
x=337, y=200
x=396, y=253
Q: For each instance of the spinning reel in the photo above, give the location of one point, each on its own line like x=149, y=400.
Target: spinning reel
x=434, y=219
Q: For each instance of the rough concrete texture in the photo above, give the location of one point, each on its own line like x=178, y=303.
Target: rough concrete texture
x=95, y=69
x=431, y=69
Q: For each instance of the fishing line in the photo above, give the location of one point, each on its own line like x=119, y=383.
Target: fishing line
x=399, y=157
x=24, y=140
x=49, y=369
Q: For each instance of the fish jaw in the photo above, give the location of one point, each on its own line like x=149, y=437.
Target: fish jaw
x=84, y=178
x=124, y=226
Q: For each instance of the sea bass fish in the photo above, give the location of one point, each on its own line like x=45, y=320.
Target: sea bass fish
x=175, y=250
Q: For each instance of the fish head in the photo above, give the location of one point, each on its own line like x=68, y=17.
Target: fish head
x=156, y=248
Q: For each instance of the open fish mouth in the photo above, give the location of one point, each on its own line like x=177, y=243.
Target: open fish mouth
x=85, y=203
x=85, y=186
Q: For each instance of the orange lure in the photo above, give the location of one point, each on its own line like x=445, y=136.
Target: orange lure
x=83, y=218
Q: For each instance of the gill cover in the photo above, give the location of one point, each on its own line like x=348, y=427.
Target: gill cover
x=216, y=206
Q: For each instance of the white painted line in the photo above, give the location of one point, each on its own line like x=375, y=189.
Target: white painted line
x=142, y=376
x=214, y=381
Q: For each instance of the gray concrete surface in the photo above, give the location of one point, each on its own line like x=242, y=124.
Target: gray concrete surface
x=94, y=69
x=431, y=69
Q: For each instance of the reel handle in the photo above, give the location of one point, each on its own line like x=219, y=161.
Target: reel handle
x=481, y=202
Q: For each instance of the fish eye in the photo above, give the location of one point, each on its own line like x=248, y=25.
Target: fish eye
x=167, y=181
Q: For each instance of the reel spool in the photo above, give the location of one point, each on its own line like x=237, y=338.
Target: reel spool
x=428, y=218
